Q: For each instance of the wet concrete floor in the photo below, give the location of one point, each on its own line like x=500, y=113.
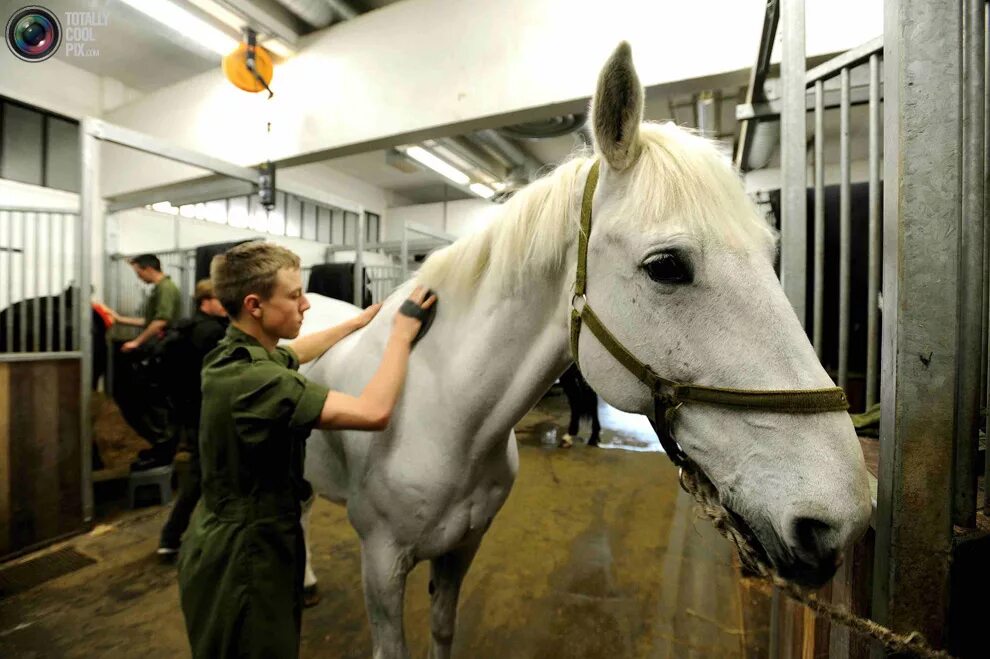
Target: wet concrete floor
x=597, y=553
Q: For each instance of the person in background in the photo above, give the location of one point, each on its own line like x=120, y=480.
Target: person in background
x=195, y=338
x=153, y=416
x=162, y=307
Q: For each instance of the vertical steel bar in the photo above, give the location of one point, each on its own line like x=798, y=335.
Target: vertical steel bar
x=844, y=229
x=873, y=278
x=922, y=204
x=794, y=175
x=10, y=282
x=24, y=277
x=986, y=237
x=50, y=284
x=36, y=298
x=89, y=206
x=404, y=254
x=359, y=228
x=63, y=268
x=819, y=300
x=970, y=288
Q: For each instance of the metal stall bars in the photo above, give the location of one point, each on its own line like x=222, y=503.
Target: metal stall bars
x=841, y=67
x=44, y=295
x=92, y=206
x=39, y=264
x=417, y=240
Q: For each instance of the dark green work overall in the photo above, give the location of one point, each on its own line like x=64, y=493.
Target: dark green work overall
x=241, y=563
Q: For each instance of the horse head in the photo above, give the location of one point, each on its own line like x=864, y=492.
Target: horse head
x=680, y=269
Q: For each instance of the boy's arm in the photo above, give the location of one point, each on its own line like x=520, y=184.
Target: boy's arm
x=311, y=346
x=372, y=410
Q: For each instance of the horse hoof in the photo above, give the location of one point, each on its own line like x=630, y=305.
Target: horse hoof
x=311, y=596
x=567, y=441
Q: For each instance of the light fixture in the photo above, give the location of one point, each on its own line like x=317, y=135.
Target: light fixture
x=481, y=190
x=421, y=155
x=276, y=47
x=186, y=24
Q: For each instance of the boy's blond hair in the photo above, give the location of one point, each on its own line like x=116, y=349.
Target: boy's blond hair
x=246, y=269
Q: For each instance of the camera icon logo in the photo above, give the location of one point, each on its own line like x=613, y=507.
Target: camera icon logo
x=33, y=34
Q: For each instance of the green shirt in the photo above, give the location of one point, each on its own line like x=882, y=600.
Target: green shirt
x=163, y=303
x=257, y=413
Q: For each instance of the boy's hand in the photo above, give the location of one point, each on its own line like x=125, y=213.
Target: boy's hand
x=406, y=327
x=365, y=316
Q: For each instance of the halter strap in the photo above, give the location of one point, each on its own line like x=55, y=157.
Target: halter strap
x=669, y=395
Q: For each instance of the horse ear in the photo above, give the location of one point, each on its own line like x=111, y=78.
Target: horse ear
x=617, y=110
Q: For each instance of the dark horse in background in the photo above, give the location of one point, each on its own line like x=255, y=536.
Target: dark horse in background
x=21, y=316
x=583, y=402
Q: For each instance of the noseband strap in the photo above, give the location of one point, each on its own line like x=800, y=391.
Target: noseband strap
x=669, y=395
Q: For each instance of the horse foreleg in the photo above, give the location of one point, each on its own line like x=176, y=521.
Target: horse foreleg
x=310, y=593
x=384, y=568
x=446, y=575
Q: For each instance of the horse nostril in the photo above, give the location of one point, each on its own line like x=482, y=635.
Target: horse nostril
x=814, y=537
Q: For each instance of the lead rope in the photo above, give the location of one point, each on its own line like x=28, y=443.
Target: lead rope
x=705, y=494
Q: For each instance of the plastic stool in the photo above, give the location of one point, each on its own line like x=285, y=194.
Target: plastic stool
x=160, y=477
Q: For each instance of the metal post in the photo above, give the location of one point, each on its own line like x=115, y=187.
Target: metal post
x=919, y=334
x=970, y=287
x=872, y=297
x=986, y=241
x=63, y=244
x=845, y=231
x=24, y=276
x=49, y=312
x=89, y=205
x=819, y=301
x=404, y=252
x=793, y=165
x=10, y=281
x=36, y=299
x=359, y=259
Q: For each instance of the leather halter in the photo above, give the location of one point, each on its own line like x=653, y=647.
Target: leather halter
x=668, y=395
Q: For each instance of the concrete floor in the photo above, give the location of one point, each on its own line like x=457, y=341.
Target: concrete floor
x=596, y=554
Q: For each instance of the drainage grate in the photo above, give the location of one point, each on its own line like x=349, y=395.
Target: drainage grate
x=27, y=575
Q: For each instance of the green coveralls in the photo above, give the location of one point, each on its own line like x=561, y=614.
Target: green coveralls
x=163, y=302
x=241, y=563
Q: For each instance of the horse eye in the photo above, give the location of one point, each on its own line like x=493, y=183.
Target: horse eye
x=669, y=268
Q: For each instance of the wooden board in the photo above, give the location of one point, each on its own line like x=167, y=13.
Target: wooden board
x=40, y=468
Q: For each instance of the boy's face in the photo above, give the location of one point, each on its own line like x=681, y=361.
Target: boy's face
x=282, y=313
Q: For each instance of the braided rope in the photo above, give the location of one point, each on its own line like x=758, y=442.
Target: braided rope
x=753, y=559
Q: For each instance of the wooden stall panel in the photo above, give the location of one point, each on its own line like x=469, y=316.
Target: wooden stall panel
x=40, y=470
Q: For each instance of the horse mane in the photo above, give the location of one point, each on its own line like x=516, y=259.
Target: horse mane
x=680, y=178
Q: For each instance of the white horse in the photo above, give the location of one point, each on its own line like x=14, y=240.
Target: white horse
x=680, y=269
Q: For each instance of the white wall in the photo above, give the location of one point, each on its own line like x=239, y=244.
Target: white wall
x=462, y=217
x=416, y=66
x=61, y=88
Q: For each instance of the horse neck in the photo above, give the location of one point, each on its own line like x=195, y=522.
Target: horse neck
x=510, y=350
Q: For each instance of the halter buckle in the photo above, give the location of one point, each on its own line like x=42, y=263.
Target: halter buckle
x=579, y=298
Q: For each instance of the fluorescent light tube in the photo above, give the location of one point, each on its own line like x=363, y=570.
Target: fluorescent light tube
x=481, y=190
x=421, y=155
x=183, y=22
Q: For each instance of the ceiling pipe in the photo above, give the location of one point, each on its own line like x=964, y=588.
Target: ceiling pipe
x=524, y=166
x=342, y=9
x=316, y=13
